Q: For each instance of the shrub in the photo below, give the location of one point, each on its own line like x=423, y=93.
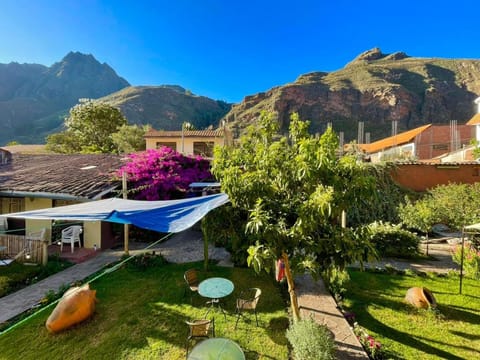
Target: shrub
x=392, y=240
x=471, y=259
x=336, y=280
x=163, y=174
x=371, y=346
x=311, y=341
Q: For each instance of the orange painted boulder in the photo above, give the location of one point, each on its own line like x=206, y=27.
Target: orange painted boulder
x=76, y=305
x=420, y=298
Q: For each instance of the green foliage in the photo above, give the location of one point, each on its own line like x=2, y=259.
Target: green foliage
x=89, y=127
x=455, y=205
x=294, y=189
x=225, y=227
x=393, y=241
x=471, y=259
x=143, y=261
x=419, y=215
x=311, y=341
x=130, y=138
x=476, y=149
x=383, y=204
x=369, y=343
x=16, y=276
x=336, y=281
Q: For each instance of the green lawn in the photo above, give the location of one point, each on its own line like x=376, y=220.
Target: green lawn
x=452, y=332
x=141, y=315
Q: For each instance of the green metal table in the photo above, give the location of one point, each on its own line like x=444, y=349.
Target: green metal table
x=215, y=288
x=217, y=349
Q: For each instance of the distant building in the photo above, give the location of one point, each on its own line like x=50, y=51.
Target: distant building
x=189, y=142
x=422, y=143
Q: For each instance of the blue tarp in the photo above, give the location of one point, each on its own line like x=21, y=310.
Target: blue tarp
x=168, y=216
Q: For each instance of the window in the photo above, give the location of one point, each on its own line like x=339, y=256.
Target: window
x=203, y=148
x=171, y=145
x=16, y=204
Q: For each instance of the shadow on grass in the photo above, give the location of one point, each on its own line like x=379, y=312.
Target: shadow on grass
x=384, y=291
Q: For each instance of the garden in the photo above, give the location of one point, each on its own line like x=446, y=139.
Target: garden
x=142, y=312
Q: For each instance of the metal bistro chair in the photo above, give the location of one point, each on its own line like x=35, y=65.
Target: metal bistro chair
x=248, y=301
x=191, y=282
x=200, y=329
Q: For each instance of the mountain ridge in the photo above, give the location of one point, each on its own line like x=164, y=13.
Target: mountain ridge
x=375, y=88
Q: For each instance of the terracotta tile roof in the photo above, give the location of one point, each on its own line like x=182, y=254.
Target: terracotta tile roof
x=62, y=176
x=27, y=149
x=474, y=120
x=186, y=133
x=400, y=139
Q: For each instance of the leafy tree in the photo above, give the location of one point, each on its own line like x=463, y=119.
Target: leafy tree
x=295, y=189
x=163, y=174
x=476, y=148
x=456, y=204
x=130, y=138
x=89, y=127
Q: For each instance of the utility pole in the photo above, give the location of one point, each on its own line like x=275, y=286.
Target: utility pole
x=125, y=226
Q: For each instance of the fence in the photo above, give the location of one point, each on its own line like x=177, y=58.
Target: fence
x=22, y=248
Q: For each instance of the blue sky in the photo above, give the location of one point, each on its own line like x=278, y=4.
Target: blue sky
x=229, y=49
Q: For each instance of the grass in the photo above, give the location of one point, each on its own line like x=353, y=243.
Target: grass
x=451, y=332
x=141, y=314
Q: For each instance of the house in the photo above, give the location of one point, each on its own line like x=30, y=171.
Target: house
x=475, y=120
x=189, y=142
x=41, y=180
x=422, y=143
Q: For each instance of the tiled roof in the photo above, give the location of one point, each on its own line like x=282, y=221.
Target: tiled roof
x=66, y=176
x=474, y=120
x=399, y=139
x=186, y=133
x=27, y=149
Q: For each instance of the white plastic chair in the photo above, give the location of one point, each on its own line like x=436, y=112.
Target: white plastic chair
x=71, y=235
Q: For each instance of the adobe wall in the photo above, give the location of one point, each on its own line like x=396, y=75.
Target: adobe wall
x=421, y=177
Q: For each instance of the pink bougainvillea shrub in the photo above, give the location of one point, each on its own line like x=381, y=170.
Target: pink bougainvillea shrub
x=163, y=174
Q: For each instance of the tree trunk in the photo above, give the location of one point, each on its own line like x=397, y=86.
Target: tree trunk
x=291, y=288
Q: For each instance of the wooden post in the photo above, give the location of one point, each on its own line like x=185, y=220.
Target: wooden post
x=44, y=252
x=125, y=226
x=291, y=288
x=461, y=258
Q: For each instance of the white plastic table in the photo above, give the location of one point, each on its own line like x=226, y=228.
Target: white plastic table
x=217, y=349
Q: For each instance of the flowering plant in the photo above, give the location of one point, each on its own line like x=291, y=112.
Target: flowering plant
x=371, y=346
x=471, y=259
x=162, y=174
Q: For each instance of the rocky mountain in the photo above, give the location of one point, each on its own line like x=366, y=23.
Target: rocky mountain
x=374, y=88
x=166, y=107
x=35, y=98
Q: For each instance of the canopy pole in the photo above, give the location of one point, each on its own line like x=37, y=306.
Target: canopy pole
x=125, y=226
x=461, y=258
